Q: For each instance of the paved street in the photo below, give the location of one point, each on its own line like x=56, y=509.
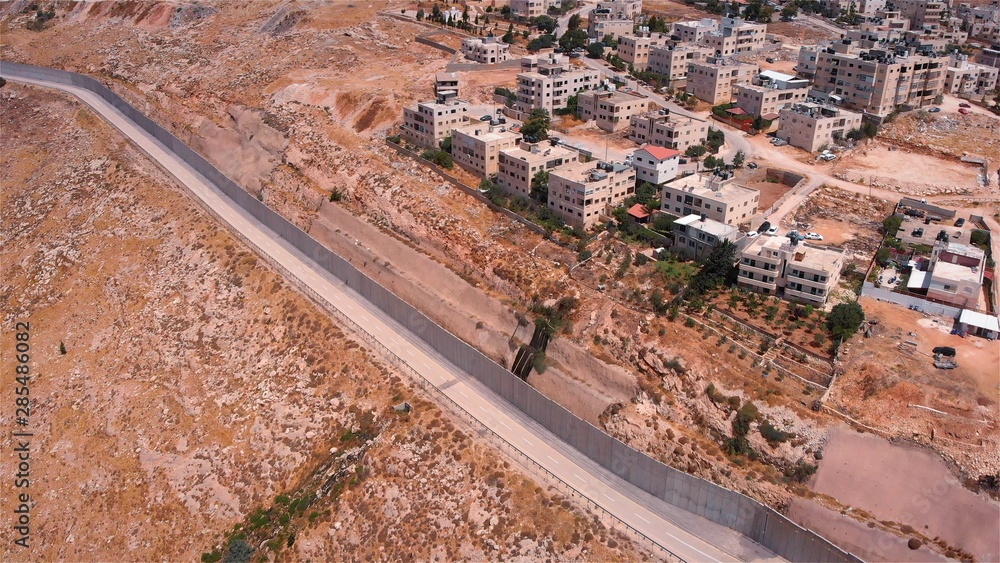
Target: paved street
x=690, y=537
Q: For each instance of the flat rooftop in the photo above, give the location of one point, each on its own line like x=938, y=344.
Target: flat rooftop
x=588, y=172
x=814, y=257
x=484, y=132
x=703, y=186
x=542, y=154
x=963, y=250
x=957, y=272
x=709, y=226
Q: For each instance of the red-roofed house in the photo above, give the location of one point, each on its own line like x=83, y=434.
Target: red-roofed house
x=655, y=165
x=639, y=212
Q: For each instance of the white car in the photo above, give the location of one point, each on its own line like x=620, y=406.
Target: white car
x=773, y=230
x=813, y=236
x=753, y=234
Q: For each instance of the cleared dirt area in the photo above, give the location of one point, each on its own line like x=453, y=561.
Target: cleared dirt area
x=770, y=192
x=887, y=166
x=903, y=488
x=802, y=32
x=673, y=11
x=196, y=389
x=849, y=220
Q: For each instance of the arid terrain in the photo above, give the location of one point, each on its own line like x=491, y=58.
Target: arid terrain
x=202, y=400
x=293, y=102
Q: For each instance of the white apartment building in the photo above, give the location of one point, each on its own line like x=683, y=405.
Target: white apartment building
x=736, y=37
x=476, y=146
x=809, y=126
x=695, y=30
x=923, y=14
x=582, y=193
x=620, y=9
x=428, y=123
x=635, y=49
x=485, y=50
x=655, y=165
x=969, y=80
x=715, y=82
x=598, y=27
x=695, y=236
x=668, y=130
x=674, y=62
x=518, y=166
x=955, y=274
x=801, y=272
x=771, y=92
x=446, y=85
x=611, y=110
x=547, y=82
x=530, y=8
x=716, y=197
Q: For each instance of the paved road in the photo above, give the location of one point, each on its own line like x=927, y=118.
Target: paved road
x=688, y=536
x=583, y=11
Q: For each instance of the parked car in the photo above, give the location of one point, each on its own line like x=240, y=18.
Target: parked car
x=813, y=236
x=773, y=230
x=964, y=105
x=753, y=234
x=764, y=226
x=934, y=110
x=780, y=142
x=683, y=161
x=769, y=59
x=486, y=118
x=960, y=222
x=958, y=234
x=963, y=111
x=918, y=233
x=752, y=166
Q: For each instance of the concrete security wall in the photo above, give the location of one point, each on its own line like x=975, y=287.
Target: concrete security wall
x=738, y=512
x=868, y=289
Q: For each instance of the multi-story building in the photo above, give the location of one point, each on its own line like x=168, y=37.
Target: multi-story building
x=771, y=92
x=806, y=65
x=695, y=30
x=620, y=9
x=610, y=109
x=635, y=49
x=809, y=126
x=982, y=22
x=547, y=82
x=428, y=123
x=580, y=194
x=486, y=50
x=736, y=36
x=663, y=129
x=717, y=197
x=476, y=147
x=714, y=82
x=446, y=85
x=923, y=14
x=598, y=26
x=696, y=235
x=877, y=81
x=969, y=80
x=656, y=165
x=530, y=8
x=675, y=61
x=518, y=166
x=955, y=274
x=801, y=272
x=990, y=57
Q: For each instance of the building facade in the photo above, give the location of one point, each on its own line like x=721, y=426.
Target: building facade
x=736, y=37
x=715, y=82
x=956, y=274
x=695, y=30
x=799, y=271
x=529, y=8
x=695, y=236
x=518, y=166
x=674, y=61
x=809, y=126
x=547, y=82
x=485, y=50
x=655, y=165
x=664, y=129
x=635, y=49
x=923, y=14
x=770, y=92
x=598, y=27
x=582, y=193
x=611, y=110
x=476, y=147
x=428, y=123
x=969, y=80
x=716, y=197
x=446, y=85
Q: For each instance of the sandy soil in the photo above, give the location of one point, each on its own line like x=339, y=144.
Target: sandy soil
x=907, y=486
x=907, y=172
x=673, y=11
x=801, y=32
x=770, y=192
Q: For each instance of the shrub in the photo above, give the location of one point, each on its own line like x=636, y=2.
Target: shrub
x=844, y=320
x=773, y=435
x=394, y=139
x=641, y=259
x=689, y=322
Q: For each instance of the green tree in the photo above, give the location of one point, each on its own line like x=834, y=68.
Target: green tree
x=610, y=41
x=712, y=163
x=738, y=159
x=540, y=186
x=573, y=23
x=869, y=129
x=505, y=11
x=545, y=24
x=595, y=50
x=882, y=256
x=536, y=128
x=420, y=14
x=465, y=14
x=446, y=144
x=541, y=42
x=436, y=13
x=716, y=269
x=695, y=151
x=573, y=39
x=508, y=37
x=790, y=10
x=844, y=320
x=891, y=224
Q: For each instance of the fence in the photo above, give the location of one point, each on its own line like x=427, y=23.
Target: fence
x=704, y=498
x=868, y=289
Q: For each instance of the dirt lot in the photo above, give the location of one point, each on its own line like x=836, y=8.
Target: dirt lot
x=673, y=11
x=770, y=192
x=902, y=488
x=849, y=220
x=887, y=166
x=801, y=32
x=196, y=386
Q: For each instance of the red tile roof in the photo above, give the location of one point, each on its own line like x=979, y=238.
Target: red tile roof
x=661, y=153
x=638, y=211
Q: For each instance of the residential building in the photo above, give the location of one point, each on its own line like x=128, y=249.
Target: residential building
x=428, y=123
x=955, y=274
x=801, y=272
x=598, y=26
x=736, y=37
x=675, y=61
x=529, y=8
x=547, y=82
x=655, y=165
x=635, y=49
x=696, y=235
x=518, y=166
x=717, y=197
x=923, y=14
x=582, y=193
x=486, y=50
x=809, y=126
x=771, y=92
x=664, y=129
x=714, y=82
x=877, y=81
x=990, y=57
x=446, y=85
x=619, y=9
x=806, y=65
x=695, y=30
x=982, y=22
x=610, y=109
x=476, y=147
x=969, y=80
